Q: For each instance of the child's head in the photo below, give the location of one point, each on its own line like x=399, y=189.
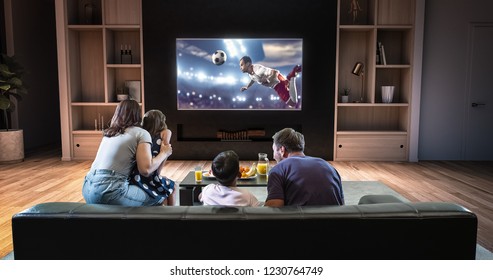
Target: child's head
x=225, y=167
x=154, y=121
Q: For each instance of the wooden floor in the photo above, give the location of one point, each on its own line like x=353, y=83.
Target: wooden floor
x=43, y=177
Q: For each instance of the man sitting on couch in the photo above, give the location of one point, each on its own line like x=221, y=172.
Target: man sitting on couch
x=298, y=179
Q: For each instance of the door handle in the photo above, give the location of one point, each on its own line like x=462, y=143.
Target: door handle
x=474, y=104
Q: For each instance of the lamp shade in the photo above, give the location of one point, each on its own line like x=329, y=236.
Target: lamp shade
x=358, y=69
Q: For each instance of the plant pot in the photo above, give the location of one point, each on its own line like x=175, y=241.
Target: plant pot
x=11, y=145
x=345, y=98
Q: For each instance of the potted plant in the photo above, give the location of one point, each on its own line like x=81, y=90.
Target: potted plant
x=11, y=87
x=345, y=95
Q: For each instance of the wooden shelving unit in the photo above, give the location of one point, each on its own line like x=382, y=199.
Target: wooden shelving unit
x=92, y=36
x=366, y=128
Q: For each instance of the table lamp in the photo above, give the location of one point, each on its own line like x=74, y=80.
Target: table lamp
x=359, y=70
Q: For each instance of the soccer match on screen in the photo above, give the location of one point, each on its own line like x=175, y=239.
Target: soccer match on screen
x=239, y=74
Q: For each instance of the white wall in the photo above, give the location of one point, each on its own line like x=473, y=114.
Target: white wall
x=443, y=92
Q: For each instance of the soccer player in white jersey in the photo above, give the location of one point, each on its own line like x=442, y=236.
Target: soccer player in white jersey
x=284, y=86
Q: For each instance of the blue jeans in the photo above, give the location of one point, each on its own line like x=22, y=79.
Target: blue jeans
x=105, y=186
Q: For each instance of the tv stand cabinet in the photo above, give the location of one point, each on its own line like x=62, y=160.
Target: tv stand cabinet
x=230, y=133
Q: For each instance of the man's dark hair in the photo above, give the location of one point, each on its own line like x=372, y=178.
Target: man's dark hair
x=291, y=140
x=246, y=59
x=226, y=167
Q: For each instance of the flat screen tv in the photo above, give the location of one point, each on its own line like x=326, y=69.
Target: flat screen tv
x=209, y=76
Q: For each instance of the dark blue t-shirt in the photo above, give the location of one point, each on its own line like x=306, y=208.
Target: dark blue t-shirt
x=304, y=180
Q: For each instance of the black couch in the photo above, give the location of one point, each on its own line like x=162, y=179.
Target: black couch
x=371, y=230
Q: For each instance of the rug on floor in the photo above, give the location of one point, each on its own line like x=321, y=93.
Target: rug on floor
x=353, y=191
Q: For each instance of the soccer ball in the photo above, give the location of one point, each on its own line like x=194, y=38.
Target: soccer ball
x=219, y=57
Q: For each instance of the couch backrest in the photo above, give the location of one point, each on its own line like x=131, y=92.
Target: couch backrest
x=430, y=230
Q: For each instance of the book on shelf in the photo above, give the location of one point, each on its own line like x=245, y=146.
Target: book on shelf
x=378, y=54
x=383, y=59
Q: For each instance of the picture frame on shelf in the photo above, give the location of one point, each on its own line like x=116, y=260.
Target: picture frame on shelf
x=354, y=12
x=134, y=90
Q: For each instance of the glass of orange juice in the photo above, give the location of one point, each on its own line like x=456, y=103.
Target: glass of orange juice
x=263, y=161
x=198, y=174
x=262, y=168
x=267, y=172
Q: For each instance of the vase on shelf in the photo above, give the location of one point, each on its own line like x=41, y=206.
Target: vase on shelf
x=387, y=94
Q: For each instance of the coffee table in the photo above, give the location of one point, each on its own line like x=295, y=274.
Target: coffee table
x=190, y=190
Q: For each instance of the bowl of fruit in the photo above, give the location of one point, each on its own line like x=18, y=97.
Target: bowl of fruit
x=248, y=172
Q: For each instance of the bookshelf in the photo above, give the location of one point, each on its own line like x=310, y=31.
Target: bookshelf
x=366, y=128
x=99, y=50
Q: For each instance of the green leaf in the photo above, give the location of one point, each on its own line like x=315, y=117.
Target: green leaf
x=11, y=84
x=4, y=102
x=4, y=87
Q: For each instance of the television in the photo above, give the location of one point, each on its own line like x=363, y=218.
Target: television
x=209, y=77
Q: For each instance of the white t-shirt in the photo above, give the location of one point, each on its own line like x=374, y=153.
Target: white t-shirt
x=217, y=194
x=262, y=75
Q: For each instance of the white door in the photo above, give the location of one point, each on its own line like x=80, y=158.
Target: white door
x=479, y=104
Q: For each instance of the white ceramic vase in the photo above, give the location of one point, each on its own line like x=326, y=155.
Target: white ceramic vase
x=387, y=94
